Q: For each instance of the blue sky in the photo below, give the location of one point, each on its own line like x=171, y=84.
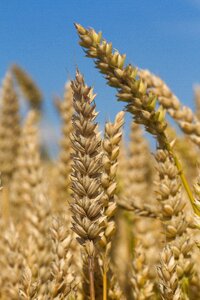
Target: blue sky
x=161, y=35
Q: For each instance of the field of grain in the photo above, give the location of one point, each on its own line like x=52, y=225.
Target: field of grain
x=108, y=219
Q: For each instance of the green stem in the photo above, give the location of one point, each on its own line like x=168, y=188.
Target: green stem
x=105, y=285
x=183, y=179
x=185, y=286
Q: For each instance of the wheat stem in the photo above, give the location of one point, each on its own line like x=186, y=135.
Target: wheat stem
x=91, y=276
x=105, y=284
x=183, y=179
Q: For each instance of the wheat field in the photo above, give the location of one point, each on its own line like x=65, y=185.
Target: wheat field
x=108, y=219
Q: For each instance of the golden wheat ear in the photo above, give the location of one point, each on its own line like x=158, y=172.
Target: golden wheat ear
x=183, y=115
x=28, y=175
x=111, y=148
x=28, y=87
x=87, y=193
x=141, y=102
x=9, y=128
x=168, y=279
x=62, y=277
x=62, y=190
x=174, y=221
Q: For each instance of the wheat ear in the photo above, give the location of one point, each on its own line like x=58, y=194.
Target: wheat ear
x=86, y=173
x=111, y=147
x=28, y=175
x=173, y=216
x=64, y=162
x=61, y=282
x=183, y=115
x=169, y=287
x=9, y=128
x=28, y=87
x=131, y=89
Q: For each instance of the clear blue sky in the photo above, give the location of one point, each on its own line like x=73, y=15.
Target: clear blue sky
x=161, y=35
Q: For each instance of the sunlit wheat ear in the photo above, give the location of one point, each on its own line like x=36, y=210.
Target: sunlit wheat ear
x=183, y=115
x=87, y=164
x=28, y=175
x=64, y=162
x=111, y=148
x=33, y=206
x=9, y=128
x=173, y=216
x=86, y=172
x=169, y=286
x=131, y=89
x=37, y=239
x=62, y=277
x=28, y=87
x=141, y=103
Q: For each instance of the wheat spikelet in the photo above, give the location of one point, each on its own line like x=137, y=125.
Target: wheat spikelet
x=28, y=289
x=28, y=87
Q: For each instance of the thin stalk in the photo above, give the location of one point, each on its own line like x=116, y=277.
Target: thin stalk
x=104, y=284
x=185, y=286
x=183, y=179
x=91, y=277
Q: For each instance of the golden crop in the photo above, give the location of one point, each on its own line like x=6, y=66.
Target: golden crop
x=108, y=219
